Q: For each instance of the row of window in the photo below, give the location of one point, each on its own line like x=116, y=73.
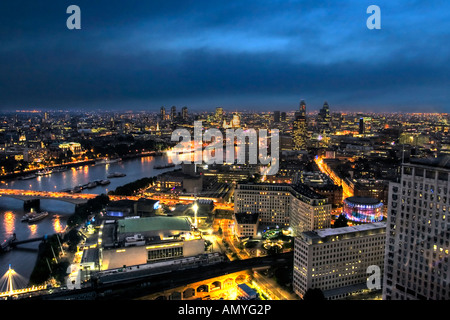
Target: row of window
x=165, y=253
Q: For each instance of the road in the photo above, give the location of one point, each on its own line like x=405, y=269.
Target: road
x=272, y=288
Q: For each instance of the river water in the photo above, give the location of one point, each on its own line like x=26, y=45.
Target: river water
x=22, y=259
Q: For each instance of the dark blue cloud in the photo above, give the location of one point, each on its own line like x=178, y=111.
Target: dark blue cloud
x=239, y=54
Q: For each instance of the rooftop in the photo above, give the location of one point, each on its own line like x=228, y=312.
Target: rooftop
x=363, y=200
x=439, y=162
x=300, y=188
x=323, y=233
x=153, y=224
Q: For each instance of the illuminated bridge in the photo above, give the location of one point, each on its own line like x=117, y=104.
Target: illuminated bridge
x=81, y=198
x=27, y=195
x=7, y=284
x=75, y=198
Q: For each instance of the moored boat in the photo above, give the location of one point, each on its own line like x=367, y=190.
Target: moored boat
x=92, y=184
x=27, y=177
x=104, y=182
x=170, y=165
x=34, y=217
x=26, y=217
x=116, y=175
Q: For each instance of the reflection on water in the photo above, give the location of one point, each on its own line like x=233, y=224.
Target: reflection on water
x=33, y=229
x=11, y=210
x=57, y=226
x=8, y=222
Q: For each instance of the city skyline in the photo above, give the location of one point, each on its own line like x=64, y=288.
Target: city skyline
x=210, y=150
x=238, y=55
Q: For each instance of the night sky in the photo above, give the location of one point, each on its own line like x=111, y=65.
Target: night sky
x=243, y=55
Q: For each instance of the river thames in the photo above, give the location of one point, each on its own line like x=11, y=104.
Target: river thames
x=22, y=259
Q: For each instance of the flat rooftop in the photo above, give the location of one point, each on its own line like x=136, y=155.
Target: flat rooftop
x=153, y=224
x=439, y=162
x=324, y=233
x=363, y=200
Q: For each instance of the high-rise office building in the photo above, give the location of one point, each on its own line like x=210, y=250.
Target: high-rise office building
x=418, y=232
x=163, y=113
x=284, y=205
x=299, y=130
x=336, y=260
x=324, y=117
x=361, y=126
x=173, y=113
x=276, y=116
x=303, y=109
x=184, y=113
x=283, y=116
x=219, y=114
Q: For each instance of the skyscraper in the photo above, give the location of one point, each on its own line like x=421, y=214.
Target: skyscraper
x=219, y=114
x=299, y=130
x=184, y=113
x=324, y=117
x=361, y=125
x=173, y=113
x=276, y=116
x=418, y=232
x=163, y=113
x=303, y=109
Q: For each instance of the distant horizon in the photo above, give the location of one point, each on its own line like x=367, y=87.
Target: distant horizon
x=210, y=110
x=237, y=54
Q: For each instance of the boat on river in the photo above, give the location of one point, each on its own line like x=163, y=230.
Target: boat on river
x=170, y=165
x=28, y=177
x=32, y=217
x=116, y=175
x=108, y=161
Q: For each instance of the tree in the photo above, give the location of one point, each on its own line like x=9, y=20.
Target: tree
x=314, y=294
x=341, y=221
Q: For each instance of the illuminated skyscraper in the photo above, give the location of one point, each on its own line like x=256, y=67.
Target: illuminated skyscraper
x=219, y=114
x=324, y=117
x=303, y=109
x=361, y=126
x=184, y=113
x=163, y=113
x=299, y=130
x=173, y=113
x=418, y=233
